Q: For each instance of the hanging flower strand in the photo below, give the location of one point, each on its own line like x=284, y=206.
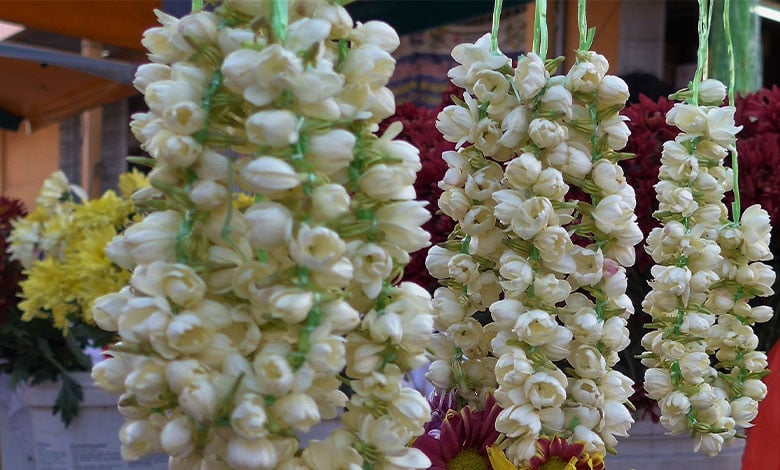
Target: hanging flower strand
x=708, y=269
x=248, y=309
x=560, y=321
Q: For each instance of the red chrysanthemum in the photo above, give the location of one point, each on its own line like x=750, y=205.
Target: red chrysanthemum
x=10, y=271
x=463, y=441
x=558, y=454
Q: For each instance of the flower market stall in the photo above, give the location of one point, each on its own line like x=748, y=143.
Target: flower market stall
x=555, y=265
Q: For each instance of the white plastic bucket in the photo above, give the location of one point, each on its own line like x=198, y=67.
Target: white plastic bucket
x=91, y=442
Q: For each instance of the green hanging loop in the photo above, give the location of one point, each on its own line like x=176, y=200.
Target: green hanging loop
x=586, y=35
x=494, y=31
x=736, y=206
x=279, y=19
x=705, y=20
x=540, y=29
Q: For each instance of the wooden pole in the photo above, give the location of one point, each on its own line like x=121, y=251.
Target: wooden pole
x=91, y=135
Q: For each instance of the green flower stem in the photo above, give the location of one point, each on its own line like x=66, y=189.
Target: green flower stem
x=586, y=35
x=736, y=206
x=279, y=19
x=540, y=29
x=216, y=82
x=197, y=5
x=705, y=17
x=494, y=32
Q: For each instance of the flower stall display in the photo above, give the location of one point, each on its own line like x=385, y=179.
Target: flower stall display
x=264, y=274
x=49, y=332
x=545, y=229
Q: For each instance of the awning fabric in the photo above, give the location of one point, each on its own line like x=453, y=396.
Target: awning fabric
x=45, y=94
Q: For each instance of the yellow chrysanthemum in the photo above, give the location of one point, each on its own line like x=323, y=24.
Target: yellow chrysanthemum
x=49, y=288
x=54, y=233
x=131, y=182
x=96, y=273
x=109, y=210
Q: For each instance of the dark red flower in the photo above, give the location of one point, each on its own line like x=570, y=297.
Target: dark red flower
x=463, y=441
x=10, y=271
x=558, y=454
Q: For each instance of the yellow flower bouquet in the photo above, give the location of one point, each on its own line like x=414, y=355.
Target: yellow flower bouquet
x=61, y=248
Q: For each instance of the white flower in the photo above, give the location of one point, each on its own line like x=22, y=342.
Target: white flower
x=530, y=76
x=388, y=182
x=330, y=152
x=340, y=316
x=187, y=333
x=491, y=87
x=178, y=437
x=456, y=124
x=154, y=238
x=514, y=126
x=270, y=225
x=616, y=130
x=557, y=99
x=372, y=265
x=147, y=74
x=275, y=128
x=148, y=382
x=249, y=417
x=584, y=77
x=720, y=125
x=274, y=373
x=555, y=247
x=712, y=92
x=474, y=58
x=251, y=454
x=519, y=421
x=401, y=224
x=268, y=175
x=688, y=118
x=297, y=410
x=110, y=373
x=588, y=361
x=571, y=158
x=612, y=91
x=329, y=201
x=139, y=438
x=291, y=305
x=617, y=419
x=545, y=133
x=535, y=327
x=260, y=77
x=305, y=33
x=378, y=33
x=546, y=389
x=368, y=65
x=316, y=247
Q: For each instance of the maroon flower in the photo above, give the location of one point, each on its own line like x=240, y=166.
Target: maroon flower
x=463, y=441
x=10, y=271
x=557, y=454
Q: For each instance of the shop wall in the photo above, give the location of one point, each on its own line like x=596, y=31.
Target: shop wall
x=26, y=161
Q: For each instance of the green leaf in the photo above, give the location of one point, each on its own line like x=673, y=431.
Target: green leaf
x=68, y=399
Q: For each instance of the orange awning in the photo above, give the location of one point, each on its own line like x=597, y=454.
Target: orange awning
x=115, y=22
x=45, y=94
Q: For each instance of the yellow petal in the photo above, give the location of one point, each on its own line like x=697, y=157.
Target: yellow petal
x=498, y=460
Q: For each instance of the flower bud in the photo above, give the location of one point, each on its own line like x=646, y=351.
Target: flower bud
x=270, y=225
x=267, y=175
x=177, y=437
x=275, y=128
